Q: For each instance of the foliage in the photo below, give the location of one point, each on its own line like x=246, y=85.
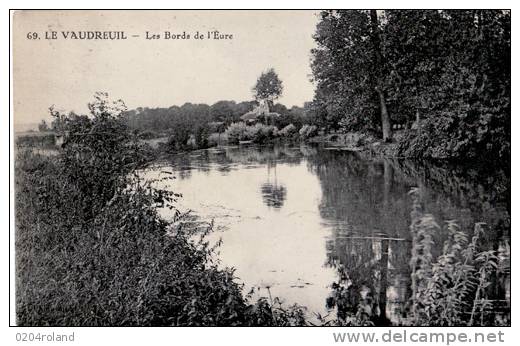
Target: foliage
x=344, y=69
x=147, y=134
x=267, y=311
x=91, y=249
x=224, y=111
x=288, y=131
x=268, y=86
x=445, y=288
x=191, y=126
x=43, y=127
x=308, y=131
x=199, y=121
x=202, y=137
x=119, y=268
x=258, y=133
x=237, y=132
x=450, y=68
x=215, y=139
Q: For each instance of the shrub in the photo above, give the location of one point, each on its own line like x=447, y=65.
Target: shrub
x=179, y=137
x=308, y=131
x=121, y=267
x=446, y=136
x=237, y=132
x=215, y=139
x=260, y=133
x=288, y=131
x=201, y=137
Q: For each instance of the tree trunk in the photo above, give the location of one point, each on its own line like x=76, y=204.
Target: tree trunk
x=385, y=118
x=378, y=60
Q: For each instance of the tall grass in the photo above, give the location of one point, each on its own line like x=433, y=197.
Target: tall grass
x=452, y=288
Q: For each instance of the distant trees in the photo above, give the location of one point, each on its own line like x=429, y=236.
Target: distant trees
x=449, y=68
x=190, y=116
x=191, y=125
x=268, y=87
x=43, y=127
x=223, y=111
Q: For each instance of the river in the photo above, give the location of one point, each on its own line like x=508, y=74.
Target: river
x=304, y=223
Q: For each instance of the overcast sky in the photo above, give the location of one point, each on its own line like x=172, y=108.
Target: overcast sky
x=158, y=73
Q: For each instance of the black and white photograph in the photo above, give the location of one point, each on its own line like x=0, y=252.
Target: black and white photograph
x=261, y=168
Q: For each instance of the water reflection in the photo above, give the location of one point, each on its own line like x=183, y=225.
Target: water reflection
x=371, y=251
x=273, y=195
x=330, y=230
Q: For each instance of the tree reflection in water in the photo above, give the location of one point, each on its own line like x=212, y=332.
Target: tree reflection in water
x=364, y=205
x=367, y=205
x=273, y=195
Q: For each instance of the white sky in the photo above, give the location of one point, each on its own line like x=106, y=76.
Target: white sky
x=158, y=73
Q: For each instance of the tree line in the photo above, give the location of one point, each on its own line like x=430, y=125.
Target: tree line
x=217, y=117
x=445, y=73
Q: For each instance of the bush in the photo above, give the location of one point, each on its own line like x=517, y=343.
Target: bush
x=237, y=132
x=121, y=267
x=215, y=139
x=308, y=131
x=201, y=137
x=260, y=133
x=288, y=131
x=445, y=136
x=257, y=133
x=178, y=140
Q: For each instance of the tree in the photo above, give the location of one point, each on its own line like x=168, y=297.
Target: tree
x=43, y=127
x=224, y=111
x=379, y=78
x=450, y=68
x=268, y=87
x=343, y=68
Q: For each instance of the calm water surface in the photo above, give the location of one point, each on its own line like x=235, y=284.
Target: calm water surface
x=308, y=223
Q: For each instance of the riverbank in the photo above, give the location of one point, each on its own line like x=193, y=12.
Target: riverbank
x=352, y=141
x=360, y=142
